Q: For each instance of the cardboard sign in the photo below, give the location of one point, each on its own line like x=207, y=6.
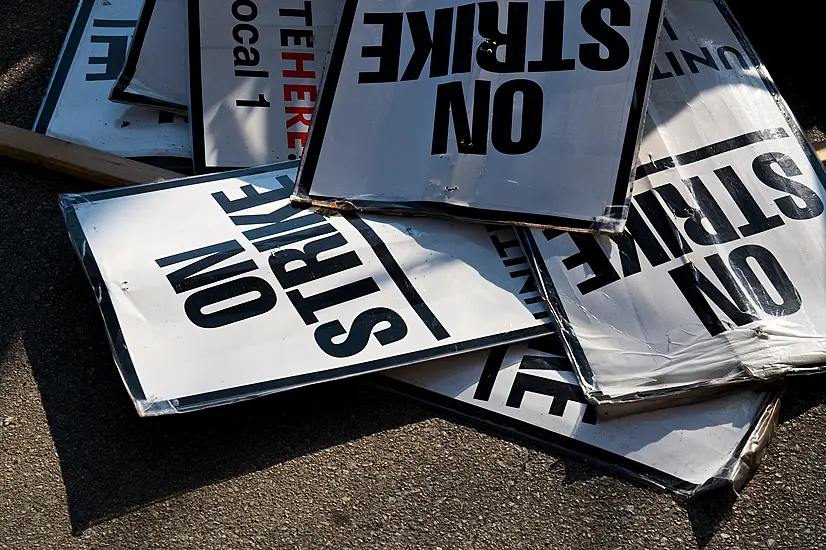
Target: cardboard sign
x=76, y=107
x=718, y=276
x=155, y=71
x=216, y=289
x=529, y=389
x=514, y=112
x=254, y=69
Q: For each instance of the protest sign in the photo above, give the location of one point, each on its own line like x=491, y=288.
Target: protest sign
x=717, y=277
x=254, y=69
x=509, y=112
x=217, y=289
x=154, y=73
x=529, y=389
x=76, y=107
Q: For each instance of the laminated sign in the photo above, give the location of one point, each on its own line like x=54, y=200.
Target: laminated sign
x=217, y=289
x=155, y=71
x=529, y=389
x=514, y=112
x=718, y=276
x=254, y=69
x=76, y=107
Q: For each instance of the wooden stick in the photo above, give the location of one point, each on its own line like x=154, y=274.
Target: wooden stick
x=76, y=160
x=820, y=149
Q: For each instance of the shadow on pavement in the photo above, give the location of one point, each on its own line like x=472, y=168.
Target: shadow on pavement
x=111, y=460
x=802, y=394
x=709, y=512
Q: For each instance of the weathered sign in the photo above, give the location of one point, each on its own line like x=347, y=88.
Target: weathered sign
x=217, y=288
x=718, y=276
x=515, y=112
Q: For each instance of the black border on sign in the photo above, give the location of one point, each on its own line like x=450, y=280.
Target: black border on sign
x=113, y=331
x=120, y=92
x=622, y=189
x=546, y=288
x=64, y=63
x=196, y=92
x=566, y=330
x=187, y=403
x=570, y=446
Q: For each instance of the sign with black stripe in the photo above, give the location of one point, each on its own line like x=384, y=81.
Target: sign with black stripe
x=510, y=112
x=718, y=275
x=217, y=288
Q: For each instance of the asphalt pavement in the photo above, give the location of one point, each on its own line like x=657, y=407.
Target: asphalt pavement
x=340, y=465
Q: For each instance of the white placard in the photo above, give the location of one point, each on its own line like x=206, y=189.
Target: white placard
x=718, y=277
x=77, y=108
x=216, y=289
x=513, y=112
x=254, y=69
x=155, y=74
x=530, y=389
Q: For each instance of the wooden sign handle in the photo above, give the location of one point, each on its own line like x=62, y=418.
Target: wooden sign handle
x=76, y=160
x=820, y=149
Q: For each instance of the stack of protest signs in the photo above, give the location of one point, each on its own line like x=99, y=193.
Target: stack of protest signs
x=591, y=224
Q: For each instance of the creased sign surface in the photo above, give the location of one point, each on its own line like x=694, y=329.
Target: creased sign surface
x=155, y=70
x=77, y=107
x=254, y=69
x=530, y=389
x=217, y=288
x=718, y=276
x=521, y=112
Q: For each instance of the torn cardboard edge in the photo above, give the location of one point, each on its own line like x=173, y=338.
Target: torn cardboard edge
x=743, y=466
x=464, y=214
